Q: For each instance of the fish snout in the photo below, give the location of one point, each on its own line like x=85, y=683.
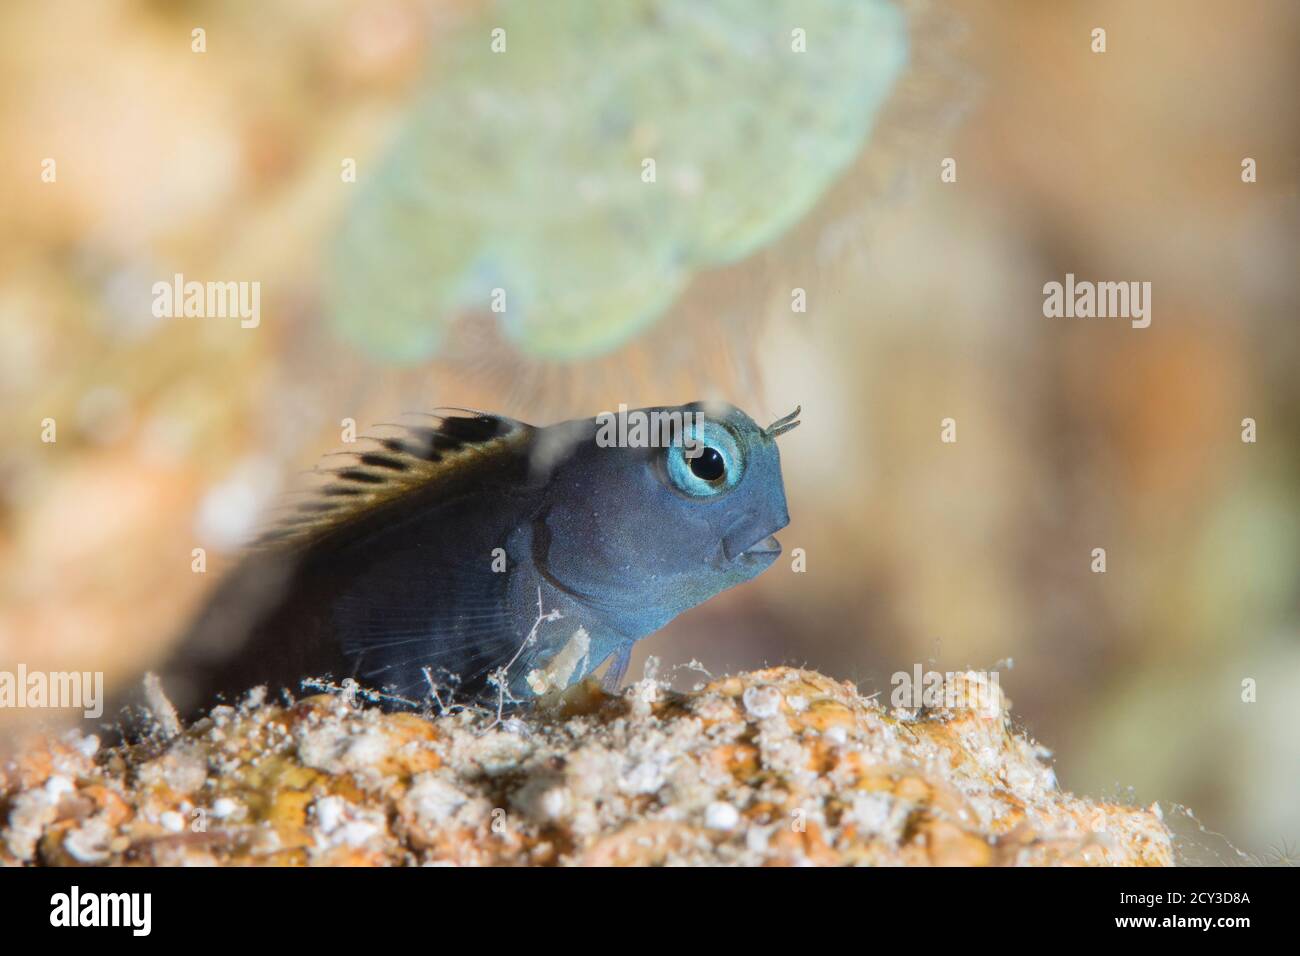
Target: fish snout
x=752, y=540
x=763, y=552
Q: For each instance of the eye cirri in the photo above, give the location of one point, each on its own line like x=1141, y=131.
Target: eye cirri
x=707, y=463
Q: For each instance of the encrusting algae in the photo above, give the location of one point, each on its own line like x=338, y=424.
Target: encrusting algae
x=773, y=767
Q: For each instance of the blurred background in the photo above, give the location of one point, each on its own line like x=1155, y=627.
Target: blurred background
x=775, y=169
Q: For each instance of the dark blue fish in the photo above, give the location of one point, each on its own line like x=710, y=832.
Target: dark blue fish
x=518, y=559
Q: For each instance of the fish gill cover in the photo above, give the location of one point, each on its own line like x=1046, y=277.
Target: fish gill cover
x=616, y=151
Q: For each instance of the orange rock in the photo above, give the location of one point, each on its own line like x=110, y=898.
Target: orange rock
x=778, y=767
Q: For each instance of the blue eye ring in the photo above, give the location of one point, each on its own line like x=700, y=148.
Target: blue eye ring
x=708, y=462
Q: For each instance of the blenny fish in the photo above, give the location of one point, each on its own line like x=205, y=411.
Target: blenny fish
x=507, y=559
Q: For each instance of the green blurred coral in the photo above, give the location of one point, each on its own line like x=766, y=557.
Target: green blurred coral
x=522, y=169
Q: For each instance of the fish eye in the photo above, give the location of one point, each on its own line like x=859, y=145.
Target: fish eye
x=707, y=463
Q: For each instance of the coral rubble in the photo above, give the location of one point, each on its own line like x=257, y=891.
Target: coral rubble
x=779, y=766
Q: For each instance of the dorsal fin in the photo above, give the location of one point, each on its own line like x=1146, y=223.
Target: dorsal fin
x=390, y=466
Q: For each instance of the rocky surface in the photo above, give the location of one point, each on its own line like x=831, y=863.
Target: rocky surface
x=779, y=766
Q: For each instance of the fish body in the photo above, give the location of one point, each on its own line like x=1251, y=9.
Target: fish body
x=500, y=557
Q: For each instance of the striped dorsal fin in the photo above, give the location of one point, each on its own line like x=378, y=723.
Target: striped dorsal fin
x=389, y=466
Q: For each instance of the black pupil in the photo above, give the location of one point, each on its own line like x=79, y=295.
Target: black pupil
x=708, y=465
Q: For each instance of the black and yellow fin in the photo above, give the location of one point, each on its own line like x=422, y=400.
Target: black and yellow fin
x=389, y=467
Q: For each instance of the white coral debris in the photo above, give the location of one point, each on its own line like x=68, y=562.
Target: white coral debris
x=780, y=766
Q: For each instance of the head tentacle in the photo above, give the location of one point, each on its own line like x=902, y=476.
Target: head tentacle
x=784, y=424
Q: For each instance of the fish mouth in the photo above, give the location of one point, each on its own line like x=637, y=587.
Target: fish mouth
x=764, y=551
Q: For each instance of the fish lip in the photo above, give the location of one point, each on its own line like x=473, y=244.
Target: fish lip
x=751, y=537
x=765, y=549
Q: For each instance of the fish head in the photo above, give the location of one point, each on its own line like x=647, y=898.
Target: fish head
x=679, y=505
x=725, y=475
